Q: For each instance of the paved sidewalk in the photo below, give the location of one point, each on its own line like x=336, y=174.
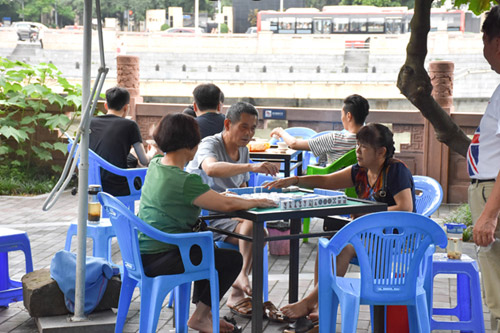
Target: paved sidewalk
x=47, y=234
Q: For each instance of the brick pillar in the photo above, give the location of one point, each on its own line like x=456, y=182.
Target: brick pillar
x=436, y=154
x=127, y=68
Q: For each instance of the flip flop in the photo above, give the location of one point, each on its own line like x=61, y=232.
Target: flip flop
x=272, y=313
x=302, y=325
x=242, y=308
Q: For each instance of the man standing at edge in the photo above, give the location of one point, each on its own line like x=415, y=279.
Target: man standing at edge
x=483, y=163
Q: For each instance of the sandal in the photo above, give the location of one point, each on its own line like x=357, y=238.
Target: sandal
x=242, y=308
x=236, y=329
x=302, y=325
x=272, y=313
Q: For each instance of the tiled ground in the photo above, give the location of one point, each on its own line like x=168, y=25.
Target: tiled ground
x=47, y=233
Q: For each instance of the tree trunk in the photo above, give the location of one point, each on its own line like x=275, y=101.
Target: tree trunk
x=415, y=83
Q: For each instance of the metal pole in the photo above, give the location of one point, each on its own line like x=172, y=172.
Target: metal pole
x=83, y=168
x=281, y=5
x=219, y=5
x=22, y=7
x=196, y=14
x=55, y=7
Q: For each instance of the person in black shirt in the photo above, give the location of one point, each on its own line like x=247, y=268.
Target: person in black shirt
x=112, y=136
x=208, y=102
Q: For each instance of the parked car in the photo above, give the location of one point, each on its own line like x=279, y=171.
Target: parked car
x=28, y=30
x=251, y=30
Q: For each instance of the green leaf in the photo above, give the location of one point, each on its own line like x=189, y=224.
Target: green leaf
x=57, y=120
x=74, y=100
x=478, y=6
x=55, y=98
x=28, y=129
x=47, y=145
x=8, y=131
x=4, y=149
x=42, y=154
x=56, y=168
x=28, y=120
x=21, y=152
x=62, y=147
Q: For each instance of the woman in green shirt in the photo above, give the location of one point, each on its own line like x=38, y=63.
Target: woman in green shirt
x=171, y=201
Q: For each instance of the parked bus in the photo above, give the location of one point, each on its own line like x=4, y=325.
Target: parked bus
x=360, y=20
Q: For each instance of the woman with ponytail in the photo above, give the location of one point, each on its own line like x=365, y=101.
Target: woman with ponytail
x=377, y=176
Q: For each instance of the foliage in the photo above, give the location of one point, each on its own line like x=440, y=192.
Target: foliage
x=379, y=3
x=476, y=6
x=462, y=215
x=164, y=27
x=24, y=96
x=14, y=181
x=224, y=29
x=252, y=17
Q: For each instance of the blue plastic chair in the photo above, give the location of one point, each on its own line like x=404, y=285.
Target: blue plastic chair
x=138, y=175
x=310, y=157
x=305, y=133
x=428, y=195
x=265, y=263
x=12, y=240
x=155, y=289
x=392, y=267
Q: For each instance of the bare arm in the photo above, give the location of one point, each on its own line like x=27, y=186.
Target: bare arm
x=336, y=180
x=212, y=200
x=404, y=201
x=143, y=157
x=292, y=142
x=484, y=228
x=214, y=168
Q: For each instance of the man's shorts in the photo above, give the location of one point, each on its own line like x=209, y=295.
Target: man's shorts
x=224, y=224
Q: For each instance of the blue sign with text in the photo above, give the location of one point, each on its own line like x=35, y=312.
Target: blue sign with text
x=274, y=114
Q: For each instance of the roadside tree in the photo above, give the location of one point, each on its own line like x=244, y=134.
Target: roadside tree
x=414, y=81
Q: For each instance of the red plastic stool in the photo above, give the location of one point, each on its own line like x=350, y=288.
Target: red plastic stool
x=12, y=240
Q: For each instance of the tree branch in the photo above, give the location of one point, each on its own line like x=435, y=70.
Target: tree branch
x=415, y=84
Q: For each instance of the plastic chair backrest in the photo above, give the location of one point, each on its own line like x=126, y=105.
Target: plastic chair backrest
x=390, y=247
x=126, y=226
x=346, y=160
x=96, y=162
x=309, y=155
x=428, y=195
x=303, y=132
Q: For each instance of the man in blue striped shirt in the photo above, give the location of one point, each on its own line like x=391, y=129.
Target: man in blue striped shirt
x=335, y=144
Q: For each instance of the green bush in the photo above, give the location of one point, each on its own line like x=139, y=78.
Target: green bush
x=24, y=97
x=224, y=29
x=462, y=215
x=164, y=27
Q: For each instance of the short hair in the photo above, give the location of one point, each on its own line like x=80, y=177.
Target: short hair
x=357, y=106
x=177, y=131
x=189, y=111
x=207, y=96
x=491, y=25
x=377, y=136
x=234, y=112
x=117, y=98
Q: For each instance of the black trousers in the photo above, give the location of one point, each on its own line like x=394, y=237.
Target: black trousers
x=228, y=264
